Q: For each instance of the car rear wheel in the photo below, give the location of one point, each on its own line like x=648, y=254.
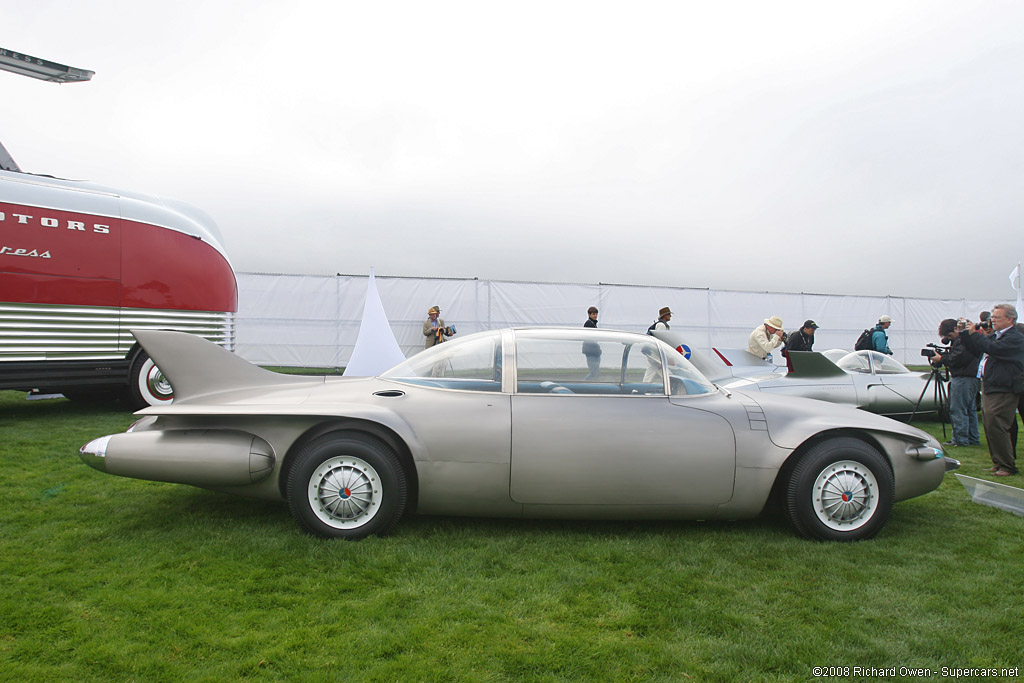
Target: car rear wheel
x=147, y=385
x=840, y=490
x=346, y=486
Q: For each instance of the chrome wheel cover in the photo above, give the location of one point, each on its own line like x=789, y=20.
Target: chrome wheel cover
x=344, y=492
x=845, y=495
x=154, y=386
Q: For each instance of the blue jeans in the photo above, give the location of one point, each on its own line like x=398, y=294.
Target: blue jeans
x=963, y=412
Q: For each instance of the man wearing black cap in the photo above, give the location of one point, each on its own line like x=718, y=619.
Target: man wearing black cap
x=802, y=339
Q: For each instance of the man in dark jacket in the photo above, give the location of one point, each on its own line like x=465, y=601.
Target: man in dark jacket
x=592, y=350
x=802, y=339
x=1003, y=384
x=963, y=385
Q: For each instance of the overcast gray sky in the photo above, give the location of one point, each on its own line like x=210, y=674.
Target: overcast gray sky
x=854, y=148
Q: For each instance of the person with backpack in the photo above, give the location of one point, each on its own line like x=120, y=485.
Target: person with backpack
x=664, y=315
x=875, y=338
x=653, y=372
x=879, y=339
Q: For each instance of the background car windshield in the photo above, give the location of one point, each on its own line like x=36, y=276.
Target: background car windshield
x=855, y=362
x=472, y=363
x=871, y=361
x=835, y=355
x=886, y=365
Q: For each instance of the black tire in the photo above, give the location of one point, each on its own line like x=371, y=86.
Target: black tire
x=840, y=490
x=346, y=486
x=147, y=386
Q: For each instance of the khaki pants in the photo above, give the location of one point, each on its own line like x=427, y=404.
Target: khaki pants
x=1000, y=420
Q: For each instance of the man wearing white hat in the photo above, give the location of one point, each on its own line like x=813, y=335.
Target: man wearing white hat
x=766, y=337
x=879, y=339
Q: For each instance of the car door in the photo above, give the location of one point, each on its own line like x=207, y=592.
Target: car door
x=889, y=392
x=616, y=440
x=452, y=398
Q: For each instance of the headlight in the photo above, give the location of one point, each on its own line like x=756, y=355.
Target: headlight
x=924, y=452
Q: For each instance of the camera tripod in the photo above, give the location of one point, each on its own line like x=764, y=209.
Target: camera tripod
x=937, y=380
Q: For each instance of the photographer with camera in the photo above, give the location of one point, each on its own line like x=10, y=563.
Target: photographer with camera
x=963, y=387
x=1003, y=383
x=766, y=337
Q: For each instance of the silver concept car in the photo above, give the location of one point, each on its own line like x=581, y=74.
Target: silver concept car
x=868, y=380
x=537, y=422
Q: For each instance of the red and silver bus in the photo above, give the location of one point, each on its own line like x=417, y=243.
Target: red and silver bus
x=81, y=265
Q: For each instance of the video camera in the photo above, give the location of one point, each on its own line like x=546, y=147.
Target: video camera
x=933, y=350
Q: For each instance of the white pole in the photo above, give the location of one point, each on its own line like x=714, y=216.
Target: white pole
x=1015, y=283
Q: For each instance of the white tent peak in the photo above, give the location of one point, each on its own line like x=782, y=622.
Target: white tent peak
x=376, y=348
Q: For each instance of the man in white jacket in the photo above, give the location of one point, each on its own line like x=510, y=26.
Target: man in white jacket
x=766, y=337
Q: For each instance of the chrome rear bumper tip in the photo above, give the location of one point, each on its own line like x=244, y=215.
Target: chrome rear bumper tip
x=94, y=453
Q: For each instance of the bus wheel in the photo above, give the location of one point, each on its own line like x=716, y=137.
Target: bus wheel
x=147, y=385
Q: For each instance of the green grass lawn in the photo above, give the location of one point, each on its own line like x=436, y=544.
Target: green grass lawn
x=106, y=578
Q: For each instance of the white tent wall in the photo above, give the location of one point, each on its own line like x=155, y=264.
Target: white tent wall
x=313, y=320
x=290, y=320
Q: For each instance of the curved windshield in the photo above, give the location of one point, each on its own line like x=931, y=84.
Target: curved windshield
x=472, y=363
x=855, y=362
x=886, y=365
x=835, y=355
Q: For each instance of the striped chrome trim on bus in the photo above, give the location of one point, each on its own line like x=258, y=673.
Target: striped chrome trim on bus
x=34, y=332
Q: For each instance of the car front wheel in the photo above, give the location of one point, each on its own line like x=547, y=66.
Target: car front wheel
x=346, y=486
x=840, y=490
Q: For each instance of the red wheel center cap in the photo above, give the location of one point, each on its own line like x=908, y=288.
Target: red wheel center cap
x=345, y=493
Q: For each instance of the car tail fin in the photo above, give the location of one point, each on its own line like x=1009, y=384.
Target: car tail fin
x=813, y=364
x=196, y=366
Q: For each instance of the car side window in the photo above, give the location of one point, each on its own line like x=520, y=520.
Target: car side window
x=589, y=366
x=643, y=366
